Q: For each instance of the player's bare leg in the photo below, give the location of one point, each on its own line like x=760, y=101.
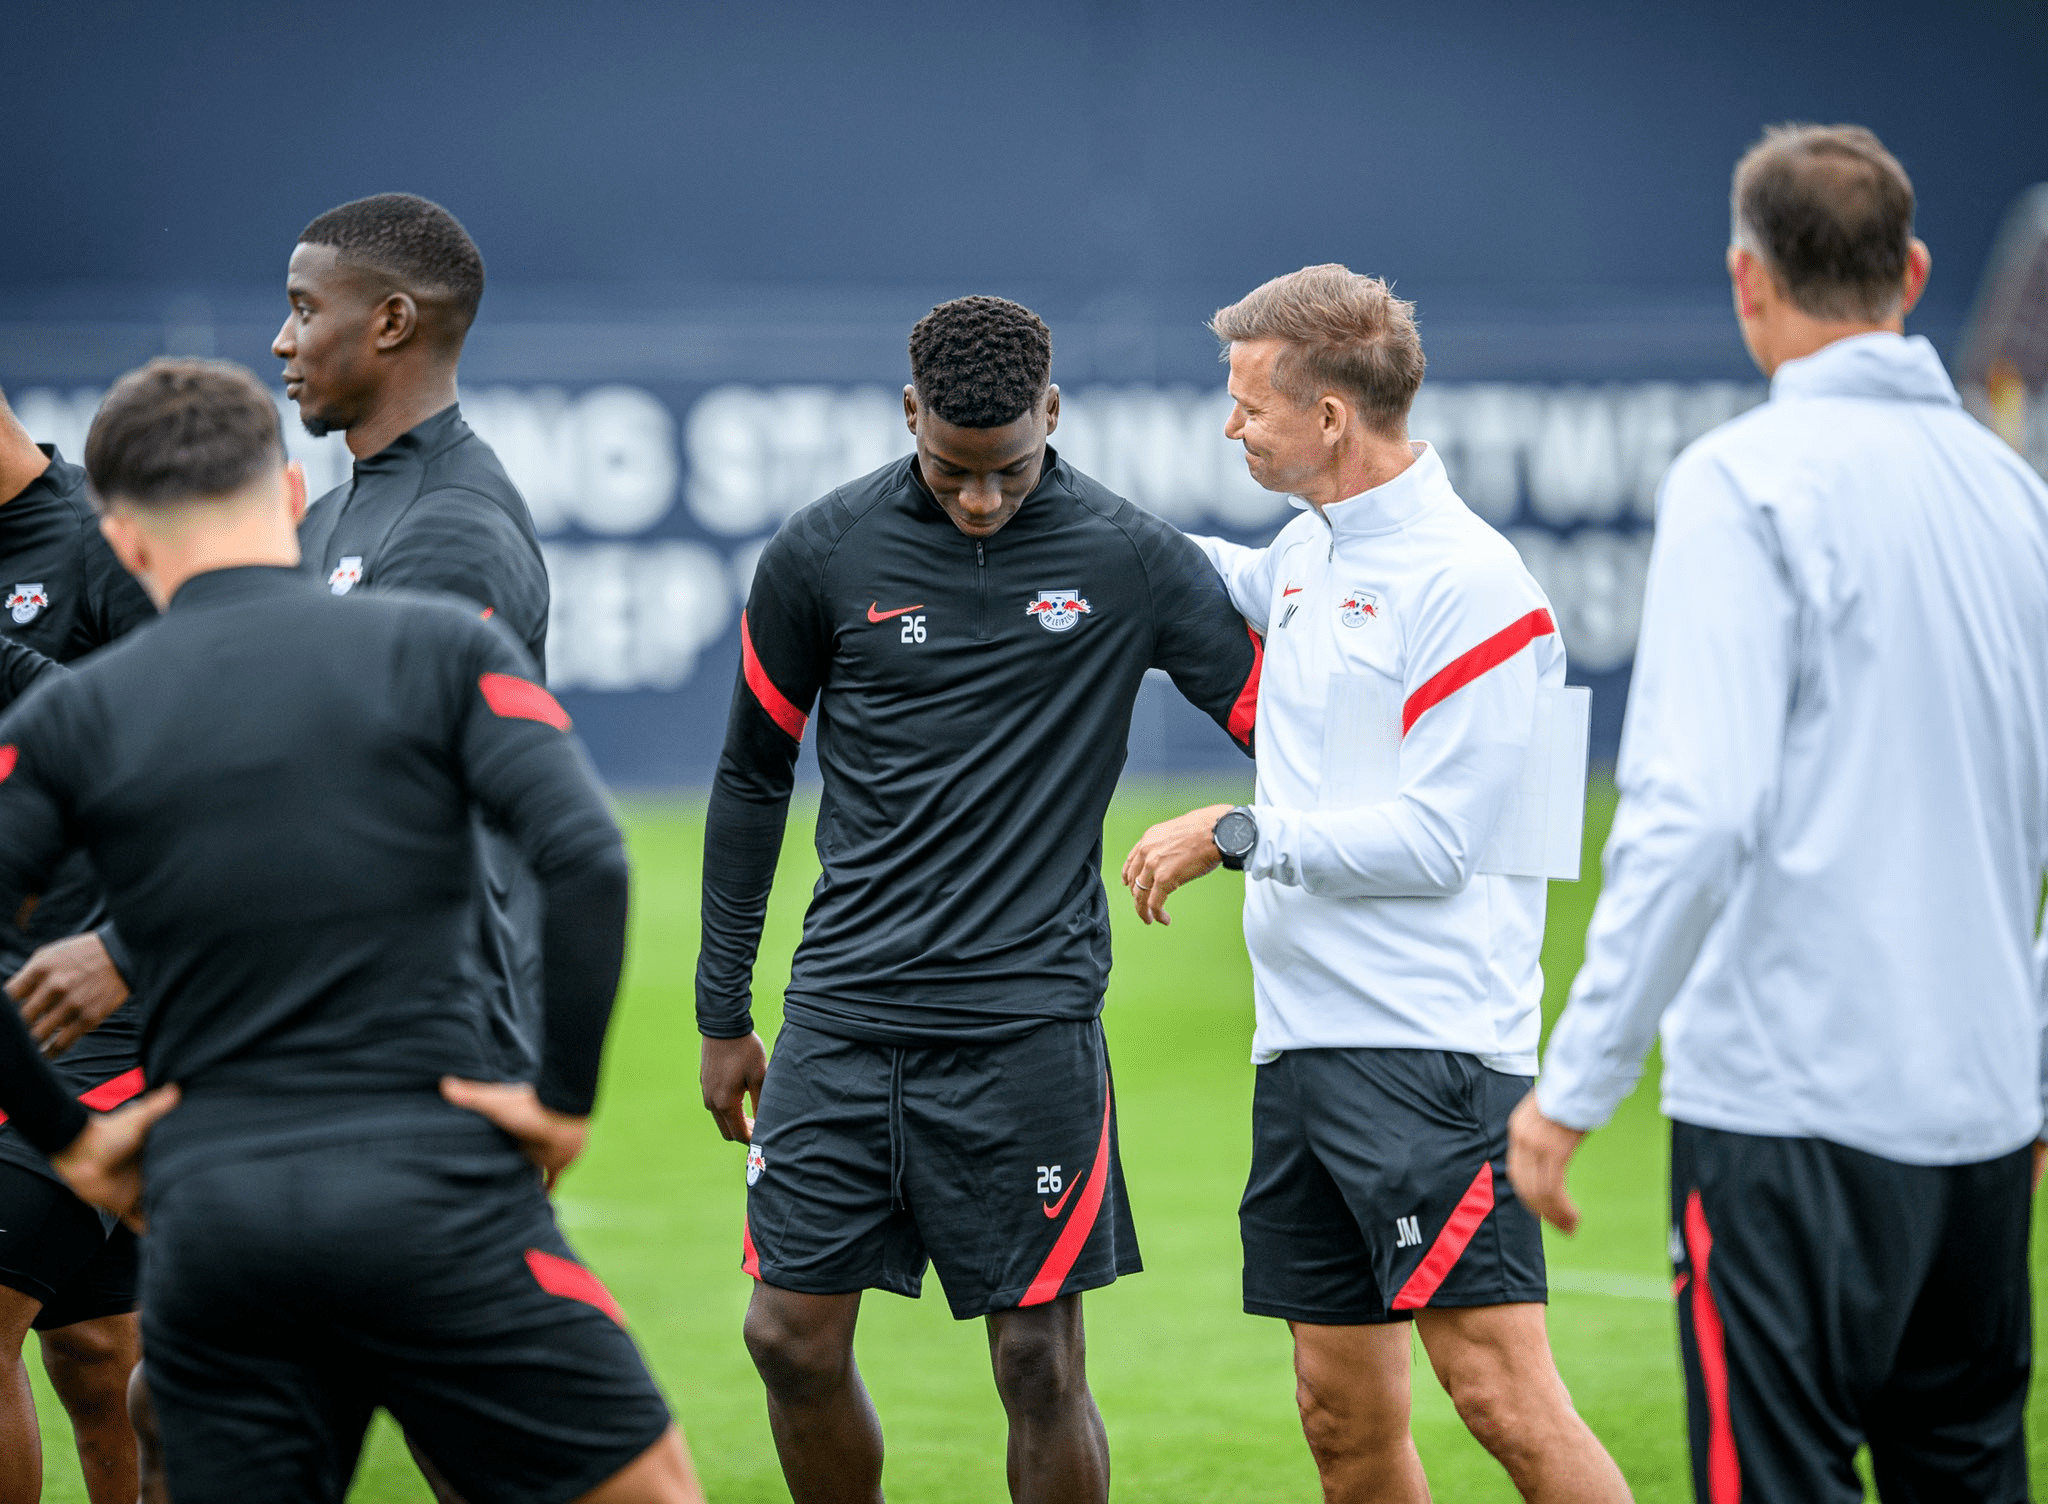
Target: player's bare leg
x=660, y=1475
x=1059, y=1452
x=21, y=1443
x=88, y=1363
x=1351, y=1384
x=826, y=1430
x=149, y=1446
x=1495, y=1363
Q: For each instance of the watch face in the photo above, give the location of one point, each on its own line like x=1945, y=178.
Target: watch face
x=1236, y=833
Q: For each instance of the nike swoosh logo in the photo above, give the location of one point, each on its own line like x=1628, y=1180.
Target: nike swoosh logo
x=1055, y=1209
x=1290, y=590
x=876, y=615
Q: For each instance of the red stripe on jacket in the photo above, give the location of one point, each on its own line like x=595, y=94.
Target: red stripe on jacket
x=1466, y=667
x=522, y=699
x=1244, y=715
x=772, y=700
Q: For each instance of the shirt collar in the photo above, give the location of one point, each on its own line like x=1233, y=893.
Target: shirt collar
x=1386, y=508
x=1886, y=366
x=242, y=582
x=415, y=443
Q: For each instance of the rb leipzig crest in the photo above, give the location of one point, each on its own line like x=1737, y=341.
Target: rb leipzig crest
x=26, y=602
x=1058, y=610
x=757, y=1163
x=347, y=575
x=1358, y=607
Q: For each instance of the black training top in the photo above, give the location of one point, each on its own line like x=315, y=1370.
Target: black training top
x=278, y=788
x=974, y=701
x=434, y=510
x=64, y=595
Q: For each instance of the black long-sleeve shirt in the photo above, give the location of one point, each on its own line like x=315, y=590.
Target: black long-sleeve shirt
x=63, y=595
x=277, y=788
x=973, y=705
x=435, y=510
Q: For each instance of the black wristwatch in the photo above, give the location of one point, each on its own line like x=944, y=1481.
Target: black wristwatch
x=1236, y=835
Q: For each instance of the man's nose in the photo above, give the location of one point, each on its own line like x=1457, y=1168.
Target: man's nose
x=284, y=347
x=983, y=496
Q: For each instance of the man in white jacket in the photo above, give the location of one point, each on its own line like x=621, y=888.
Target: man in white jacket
x=1396, y=984
x=1824, y=879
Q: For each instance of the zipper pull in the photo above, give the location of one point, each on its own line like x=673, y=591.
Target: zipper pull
x=978, y=559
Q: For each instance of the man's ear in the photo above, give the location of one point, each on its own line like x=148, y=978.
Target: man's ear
x=1753, y=282
x=1052, y=408
x=128, y=540
x=394, y=321
x=1333, y=417
x=910, y=408
x=295, y=491
x=1919, y=262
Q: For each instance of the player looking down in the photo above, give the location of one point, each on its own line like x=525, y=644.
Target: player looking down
x=1397, y=985
x=278, y=788
x=970, y=625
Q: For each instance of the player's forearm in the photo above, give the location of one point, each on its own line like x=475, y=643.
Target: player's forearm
x=21, y=669
x=742, y=841
x=1667, y=880
x=31, y=1094
x=583, y=948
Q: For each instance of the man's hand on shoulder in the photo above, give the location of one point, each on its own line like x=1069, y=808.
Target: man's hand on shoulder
x=1539, y=1150
x=550, y=1139
x=67, y=989
x=1171, y=855
x=103, y=1165
x=731, y=1072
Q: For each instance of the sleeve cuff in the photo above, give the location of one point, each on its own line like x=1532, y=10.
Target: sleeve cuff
x=728, y=1028
x=117, y=954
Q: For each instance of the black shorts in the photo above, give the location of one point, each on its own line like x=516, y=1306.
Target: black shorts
x=998, y=1162
x=1828, y=1298
x=1379, y=1185
x=54, y=1248
x=287, y=1296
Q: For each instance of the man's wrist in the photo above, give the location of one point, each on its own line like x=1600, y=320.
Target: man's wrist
x=1236, y=836
x=727, y=1029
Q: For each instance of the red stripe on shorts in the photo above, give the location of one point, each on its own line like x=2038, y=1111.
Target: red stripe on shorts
x=1080, y=1222
x=564, y=1277
x=1450, y=1244
x=750, y=1261
x=108, y=1094
x=1724, y=1467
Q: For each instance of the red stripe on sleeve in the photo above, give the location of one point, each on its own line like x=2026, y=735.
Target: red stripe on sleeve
x=1080, y=1223
x=522, y=699
x=1244, y=714
x=9, y=756
x=1462, y=670
x=1724, y=1466
x=1450, y=1244
x=771, y=699
x=560, y=1276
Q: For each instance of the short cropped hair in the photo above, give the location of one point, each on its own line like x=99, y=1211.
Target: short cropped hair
x=413, y=241
x=1830, y=211
x=1341, y=331
x=980, y=362
x=181, y=430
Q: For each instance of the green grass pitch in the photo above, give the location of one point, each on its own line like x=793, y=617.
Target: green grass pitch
x=1197, y=1396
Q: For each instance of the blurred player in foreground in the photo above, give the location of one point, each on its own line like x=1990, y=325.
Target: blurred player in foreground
x=1398, y=987
x=65, y=1270
x=973, y=622
x=278, y=789
x=1824, y=879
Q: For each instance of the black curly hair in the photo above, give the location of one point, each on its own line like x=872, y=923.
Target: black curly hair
x=415, y=242
x=980, y=362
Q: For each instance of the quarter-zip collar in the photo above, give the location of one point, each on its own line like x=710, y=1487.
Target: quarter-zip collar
x=1049, y=480
x=237, y=583
x=414, y=445
x=1882, y=366
x=1387, y=508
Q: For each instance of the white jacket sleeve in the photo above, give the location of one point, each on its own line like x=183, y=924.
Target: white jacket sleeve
x=1700, y=762
x=1469, y=710
x=1247, y=575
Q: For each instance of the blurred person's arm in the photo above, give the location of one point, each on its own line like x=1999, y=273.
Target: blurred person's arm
x=1700, y=763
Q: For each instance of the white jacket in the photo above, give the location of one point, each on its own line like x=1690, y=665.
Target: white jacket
x=1397, y=625
x=1826, y=867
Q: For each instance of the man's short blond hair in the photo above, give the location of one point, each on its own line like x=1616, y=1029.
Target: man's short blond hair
x=1341, y=332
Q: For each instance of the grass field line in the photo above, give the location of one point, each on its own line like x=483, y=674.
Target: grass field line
x=1618, y=1286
